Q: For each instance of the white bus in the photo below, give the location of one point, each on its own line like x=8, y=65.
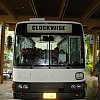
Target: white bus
x=49, y=60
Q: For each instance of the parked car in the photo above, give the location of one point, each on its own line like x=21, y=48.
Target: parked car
x=7, y=73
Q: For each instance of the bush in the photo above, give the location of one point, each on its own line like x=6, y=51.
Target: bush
x=89, y=67
x=5, y=77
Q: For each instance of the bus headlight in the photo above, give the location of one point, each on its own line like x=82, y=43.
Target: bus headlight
x=20, y=86
x=25, y=87
x=79, y=75
x=76, y=86
x=79, y=86
x=73, y=86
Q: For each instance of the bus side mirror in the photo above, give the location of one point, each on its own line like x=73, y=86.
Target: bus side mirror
x=9, y=42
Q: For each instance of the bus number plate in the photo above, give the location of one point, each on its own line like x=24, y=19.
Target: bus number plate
x=49, y=95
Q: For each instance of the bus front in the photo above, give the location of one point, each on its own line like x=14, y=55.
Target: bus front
x=49, y=61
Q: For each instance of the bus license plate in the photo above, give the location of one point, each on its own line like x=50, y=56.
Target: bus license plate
x=49, y=95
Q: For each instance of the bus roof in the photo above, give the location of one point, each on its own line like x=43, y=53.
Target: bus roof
x=42, y=21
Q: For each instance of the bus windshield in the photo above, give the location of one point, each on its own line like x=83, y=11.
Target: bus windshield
x=49, y=50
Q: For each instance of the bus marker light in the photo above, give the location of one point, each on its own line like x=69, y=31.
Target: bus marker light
x=49, y=95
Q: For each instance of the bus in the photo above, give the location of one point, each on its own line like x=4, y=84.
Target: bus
x=49, y=60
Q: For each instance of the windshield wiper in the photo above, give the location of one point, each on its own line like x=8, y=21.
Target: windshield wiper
x=30, y=67
x=67, y=66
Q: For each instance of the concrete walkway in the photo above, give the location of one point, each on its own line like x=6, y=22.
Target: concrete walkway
x=6, y=90
x=92, y=84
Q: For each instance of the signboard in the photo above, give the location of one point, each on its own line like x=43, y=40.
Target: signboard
x=49, y=28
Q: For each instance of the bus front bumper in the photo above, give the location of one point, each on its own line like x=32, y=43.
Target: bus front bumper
x=77, y=95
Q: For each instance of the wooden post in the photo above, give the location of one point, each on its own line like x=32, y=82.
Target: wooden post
x=94, y=49
x=99, y=47
x=95, y=82
x=2, y=51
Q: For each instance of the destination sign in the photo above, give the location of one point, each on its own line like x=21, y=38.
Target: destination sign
x=49, y=28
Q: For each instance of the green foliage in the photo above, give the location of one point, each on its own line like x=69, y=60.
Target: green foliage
x=89, y=67
x=5, y=77
x=89, y=56
x=7, y=61
x=90, y=46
